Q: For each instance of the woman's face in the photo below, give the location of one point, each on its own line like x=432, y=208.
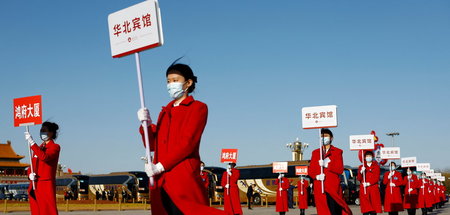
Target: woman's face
x=171, y=78
x=49, y=133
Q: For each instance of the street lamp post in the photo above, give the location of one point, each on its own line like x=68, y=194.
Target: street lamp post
x=393, y=134
x=297, y=149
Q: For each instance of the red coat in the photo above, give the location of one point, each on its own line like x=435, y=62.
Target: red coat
x=371, y=200
x=205, y=179
x=411, y=199
x=45, y=163
x=424, y=200
x=232, y=202
x=282, y=198
x=175, y=140
x=393, y=201
x=332, y=181
x=303, y=193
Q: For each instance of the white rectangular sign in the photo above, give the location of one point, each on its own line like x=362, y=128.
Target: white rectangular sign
x=429, y=172
x=408, y=162
x=362, y=142
x=319, y=117
x=434, y=176
x=423, y=166
x=438, y=174
x=280, y=167
x=135, y=28
x=390, y=153
x=441, y=178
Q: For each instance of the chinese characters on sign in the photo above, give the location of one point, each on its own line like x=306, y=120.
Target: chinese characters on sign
x=301, y=170
x=280, y=167
x=362, y=142
x=409, y=162
x=27, y=111
x=423, y=166
x=135, y=28
x=390, y=153
x=228, y=156
x=319, y=117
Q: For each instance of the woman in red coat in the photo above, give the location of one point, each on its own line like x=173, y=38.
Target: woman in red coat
x=302, y=187
x=232, y=201
x=175, y=140
x=411, y=195
x=423, y=200
x=331, y=201
x=393, y=202
x=45, y=162
x=282, y=196
x=369, y=191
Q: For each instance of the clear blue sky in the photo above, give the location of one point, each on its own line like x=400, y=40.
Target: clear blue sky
x=386, y=64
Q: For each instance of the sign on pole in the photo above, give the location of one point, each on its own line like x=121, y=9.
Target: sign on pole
x=441, y=178
x=301, y=170
x=229, y=156
x=423, y=166
x=390, y=153
x=319, y=117
x=429, y=172
x=280, y=167
x=135, y=28
x=362, y=142
x=408, y=162
x=27, y=111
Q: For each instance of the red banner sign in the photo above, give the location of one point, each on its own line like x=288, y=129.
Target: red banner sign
x=229, y=156
x=28, y=111
x=301, y=170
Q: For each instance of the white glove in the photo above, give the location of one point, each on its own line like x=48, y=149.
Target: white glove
x=410, y=189
x=301, y=193
x=390, y=175
x=392, y=184
x=422, y=186
x=321, y=163
x=227, y=186
x=366, y=184
x=363, y=169
x=144, y=115
x=281, y=189
x=32, y=176
x=279, y=176
x=29, y=138
x=326, y=162
x=152, y=169
x=320, y=177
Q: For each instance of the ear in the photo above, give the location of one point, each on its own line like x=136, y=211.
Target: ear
x=189, y=83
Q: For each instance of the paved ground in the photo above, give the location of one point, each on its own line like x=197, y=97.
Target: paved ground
x=255, y=211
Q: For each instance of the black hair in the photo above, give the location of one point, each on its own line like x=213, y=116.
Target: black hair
x=233, y=165
x=326, y=131
x=201, y=162
x=392, y=162
x=51, y=127
x=183, y=70
x=368, y=153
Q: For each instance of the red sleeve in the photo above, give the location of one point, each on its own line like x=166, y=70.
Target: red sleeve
x=224, y=179
x=375, y=176
x=399, y=182
x=151, y=136
x=189, y=137
x=314, y=168
x=359, y=177
x=51, y=153
x=235, y=176
x=336, y=164
x=286, y=183
x=385, y=178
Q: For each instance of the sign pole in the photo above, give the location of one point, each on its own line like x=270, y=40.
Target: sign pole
x=390, y=181
x=144, y=123
x=31, y=158
x=321, y=156
x=409, y=183
x=228, y=182
x=364, y=173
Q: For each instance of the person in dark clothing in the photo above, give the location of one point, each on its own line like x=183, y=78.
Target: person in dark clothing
x=250, y=195
x=291, y=196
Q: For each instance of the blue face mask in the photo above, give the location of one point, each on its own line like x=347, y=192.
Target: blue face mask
x=175, y=90
x=44, y=136
x=369, y=159
x=325, y=140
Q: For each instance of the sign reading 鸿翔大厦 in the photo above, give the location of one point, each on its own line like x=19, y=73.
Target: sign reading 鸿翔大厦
x=319, y=117
x=362, y=142
x=229, y=156
x=390, y=153
x=27, y=111
x=279, y=167
x=409, y=162
x=301, y=170
x=135, y=28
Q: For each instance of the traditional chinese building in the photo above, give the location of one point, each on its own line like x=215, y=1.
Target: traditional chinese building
x=12, y=171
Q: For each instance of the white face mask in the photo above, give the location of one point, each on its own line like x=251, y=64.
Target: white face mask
x=325, y=140
x=202, y=168
x=369, y=159
x=392, y=168
x=229, y=166
x=175, y=90
x=409, y=173
x=44, y=136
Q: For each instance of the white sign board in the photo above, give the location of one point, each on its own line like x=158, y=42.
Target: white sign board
x=362, y=142
x=280, y=167
x=319, y=117
x=434, y=176
x=441, y=178
x=135, y=28
x=429, y=172
x=390, y=153
x=409, y=162
x=423, y=166
x=438, y=174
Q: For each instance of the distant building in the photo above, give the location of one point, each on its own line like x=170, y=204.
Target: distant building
x=12, y=171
